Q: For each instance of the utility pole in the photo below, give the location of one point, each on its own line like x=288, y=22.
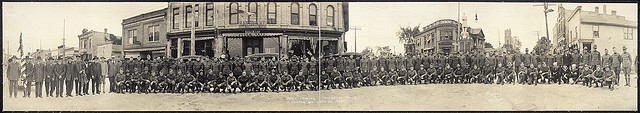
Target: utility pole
x=192, y=48
x=355, y=37
x=64, y=28
x=546, y=10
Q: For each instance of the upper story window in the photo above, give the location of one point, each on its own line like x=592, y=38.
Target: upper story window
x=196, y=12
x=271, y=13
x=133, y=37
x=295, y=14
x=330, y=17
x=628, y=33
x=596, y=31
x=154, y=33
x=253, y=13
x=313, y=15
x=209, y=14
x=188, y=16
x=176, y=14
x=233, y=15
x=446, y=35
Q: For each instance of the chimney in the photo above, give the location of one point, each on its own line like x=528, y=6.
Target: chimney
x=613, y=12
x=597, y=10
x=604, y=9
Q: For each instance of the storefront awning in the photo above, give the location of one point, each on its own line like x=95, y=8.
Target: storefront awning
x=311, y=38
x=145, y=49
x=240, y=35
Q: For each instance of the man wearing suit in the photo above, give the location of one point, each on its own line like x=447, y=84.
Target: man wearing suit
x=60, y=69
x=13, y=73
x=70, y=75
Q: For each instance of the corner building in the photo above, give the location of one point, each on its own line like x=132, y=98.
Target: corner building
x=237, y=29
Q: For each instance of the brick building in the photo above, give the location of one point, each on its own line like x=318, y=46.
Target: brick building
x=244, y=28
x=145, y=35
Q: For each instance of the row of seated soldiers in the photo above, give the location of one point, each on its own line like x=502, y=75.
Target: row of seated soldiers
x=220, y=75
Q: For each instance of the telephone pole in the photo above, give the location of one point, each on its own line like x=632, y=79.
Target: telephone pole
x=355, y=37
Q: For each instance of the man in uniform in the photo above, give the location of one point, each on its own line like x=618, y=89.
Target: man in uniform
x=626, y=65
x=606, y=58
x=39, y=76
x=595, y=57
x=48, y=72
x=616, y=60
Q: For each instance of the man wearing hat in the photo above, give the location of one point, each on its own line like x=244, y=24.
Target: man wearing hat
x=38, y=76
x=595, y=57
x=616, y=60
x=626, y=65
x=13, y=73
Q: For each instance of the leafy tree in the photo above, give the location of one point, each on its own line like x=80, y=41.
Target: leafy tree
x=384, y=51
x=408, y=35
x=368, y=52
x=487, y=45
x=542, y=46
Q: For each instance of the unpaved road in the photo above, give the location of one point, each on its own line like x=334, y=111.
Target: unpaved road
x=402, y=97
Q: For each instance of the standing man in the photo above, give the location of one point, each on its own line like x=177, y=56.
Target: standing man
x=616, y=60
x=70, y=75
x=626, y=65
x=39, y=76
x=79, y=82
x=13, y=73
x=595, y=57
x=60, y=69
x=606, y=59
x=47, y=76
x=96, y=72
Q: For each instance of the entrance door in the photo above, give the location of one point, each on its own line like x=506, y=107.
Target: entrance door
x=252, y=46
x=586, y=45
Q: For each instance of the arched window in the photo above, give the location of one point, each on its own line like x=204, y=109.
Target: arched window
x=313, y=15
x=330, y=13
x=253, y=13
x=295, y=14
x=271, y=13
x=233, y=15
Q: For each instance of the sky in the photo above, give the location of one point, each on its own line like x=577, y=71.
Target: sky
x=42, y=24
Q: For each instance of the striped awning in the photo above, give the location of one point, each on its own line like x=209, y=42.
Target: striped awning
x=145, y=49
x=240, y=35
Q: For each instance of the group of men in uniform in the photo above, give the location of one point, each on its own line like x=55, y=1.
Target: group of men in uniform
x=193, y=75
x=59, y=76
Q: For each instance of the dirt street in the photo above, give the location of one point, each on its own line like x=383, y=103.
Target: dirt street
x=406, y=97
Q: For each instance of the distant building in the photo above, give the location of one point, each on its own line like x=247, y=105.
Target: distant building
x=67, y=52
x=43, y=54
x=584, y=29
x=146, y=35
x=446, y=36
x=98, y=44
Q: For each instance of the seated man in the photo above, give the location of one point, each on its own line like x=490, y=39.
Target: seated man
x=458, y=74
x=312, y=81
x=288, y=82
x=275, y=81
x=476, y=75
x=522, y=74
x=446, y=75
x=243, y=81
x=533, y=75
x=327, y=81
x=608, y=77
x=412, y=76
x=232, y=83
x=573, y=74
x=500, y=74
x=597, y=77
